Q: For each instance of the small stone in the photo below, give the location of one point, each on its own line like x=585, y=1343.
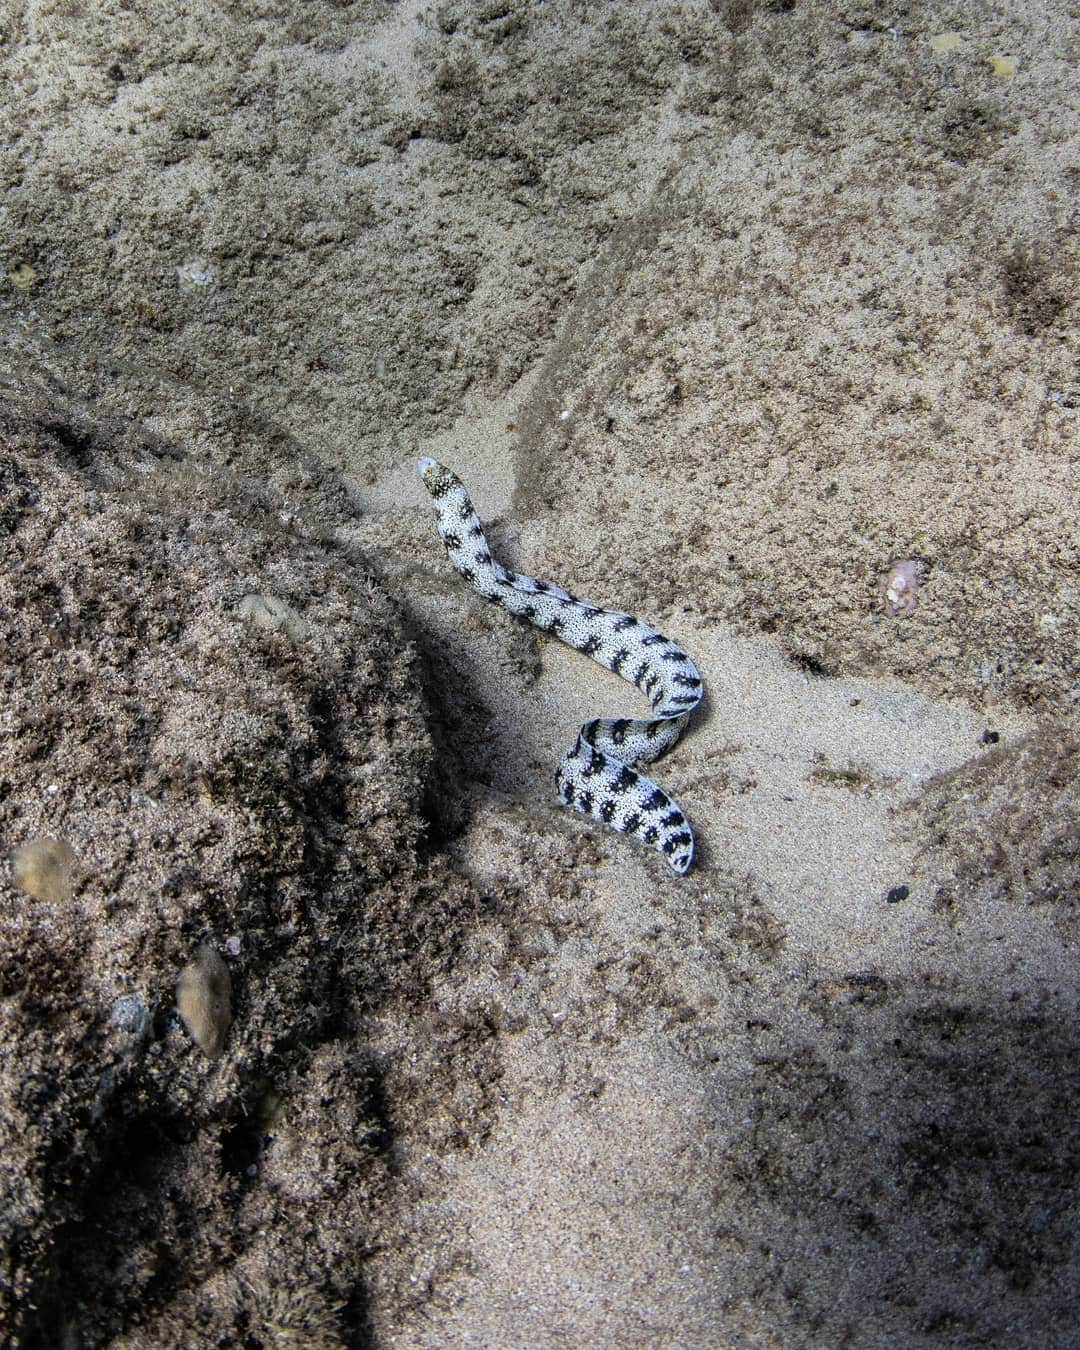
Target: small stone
x=195, y=274
x=204, y=1000
x=131, y=1015
x=272, y=613
x=22, y=277
x=43, y=869
x=990, y=737
x=897, y=894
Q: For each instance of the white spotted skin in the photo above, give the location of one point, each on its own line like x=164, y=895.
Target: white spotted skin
x=596, y=775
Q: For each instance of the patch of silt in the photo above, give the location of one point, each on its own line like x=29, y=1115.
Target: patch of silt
x=1008, y=827
x=189, y=782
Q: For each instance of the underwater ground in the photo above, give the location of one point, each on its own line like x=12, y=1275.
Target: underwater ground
x=757, y=320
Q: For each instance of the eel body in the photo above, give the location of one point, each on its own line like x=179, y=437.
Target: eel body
x=596, y=775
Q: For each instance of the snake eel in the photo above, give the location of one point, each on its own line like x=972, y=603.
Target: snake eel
x=596, y=775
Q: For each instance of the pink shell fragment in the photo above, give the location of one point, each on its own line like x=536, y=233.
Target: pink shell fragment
x=899, y=589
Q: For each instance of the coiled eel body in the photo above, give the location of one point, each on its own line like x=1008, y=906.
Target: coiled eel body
x=596, y=775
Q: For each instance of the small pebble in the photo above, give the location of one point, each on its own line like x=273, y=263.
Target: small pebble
x=272, y=613
x=131, y=1015
x=897, y=894
x=195, y=274
x=44, y=869
x=990, y=738
x=204, y=1000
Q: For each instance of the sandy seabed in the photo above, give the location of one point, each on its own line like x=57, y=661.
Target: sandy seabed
x=722, y=311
